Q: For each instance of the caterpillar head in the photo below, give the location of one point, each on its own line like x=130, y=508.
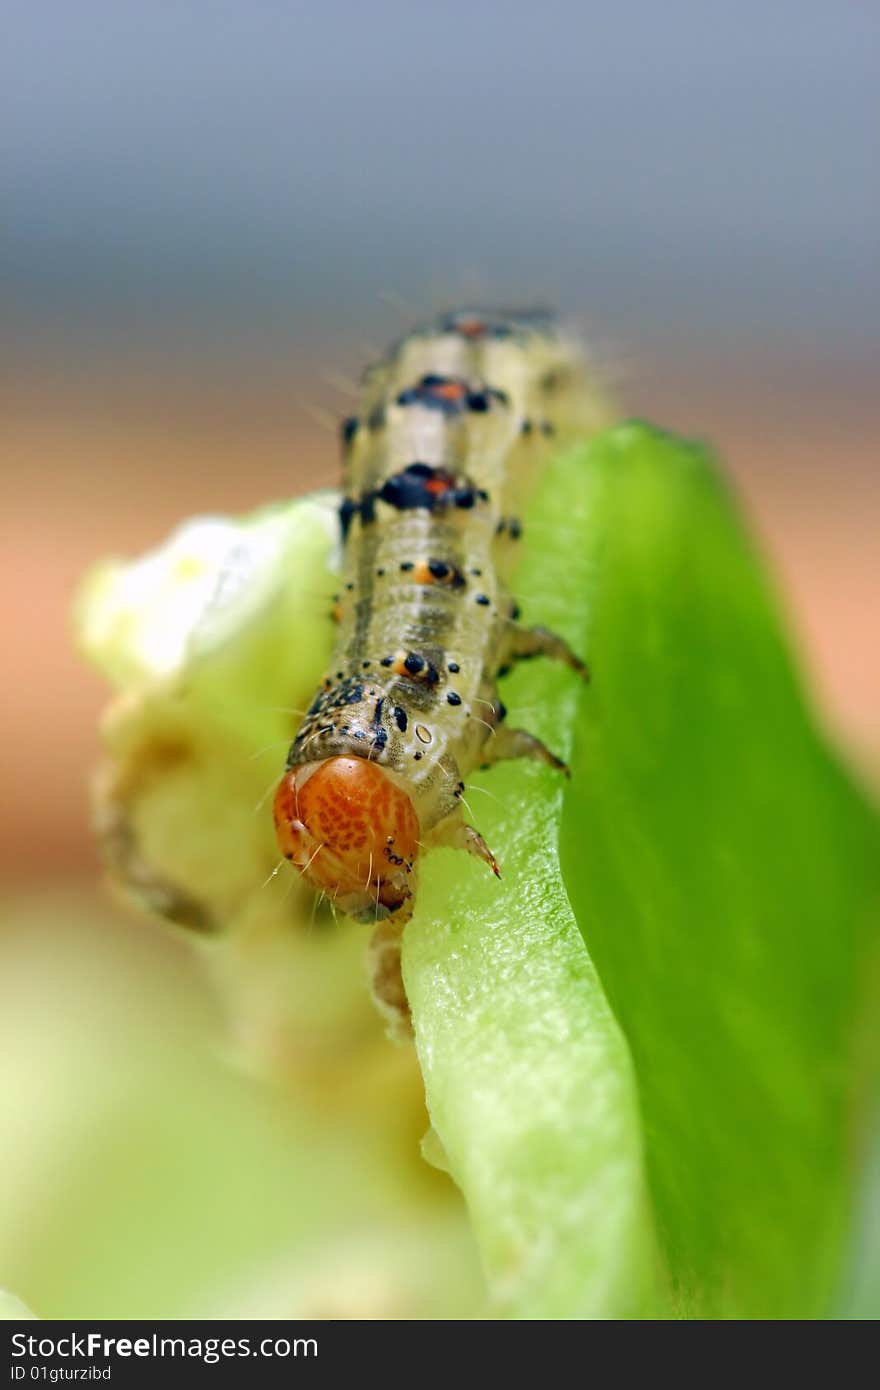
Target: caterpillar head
x=352, y=831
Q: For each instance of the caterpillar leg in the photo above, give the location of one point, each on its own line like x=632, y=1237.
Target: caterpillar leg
x=384, y=961
x=519, y=743
x=386, y=975
x=455, y=833
x=525, y=642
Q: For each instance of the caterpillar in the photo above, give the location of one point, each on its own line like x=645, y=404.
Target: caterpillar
x=453, y=427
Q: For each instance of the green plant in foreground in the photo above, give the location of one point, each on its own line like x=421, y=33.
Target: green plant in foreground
x=647, y=1052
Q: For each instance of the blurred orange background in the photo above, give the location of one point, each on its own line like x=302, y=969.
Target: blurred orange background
x=108, y=462
x=204, y=219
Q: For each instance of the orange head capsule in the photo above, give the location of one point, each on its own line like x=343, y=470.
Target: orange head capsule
x=351, y=831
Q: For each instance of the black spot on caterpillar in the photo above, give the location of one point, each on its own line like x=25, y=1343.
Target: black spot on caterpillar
x=451, y=395
x=458, y=416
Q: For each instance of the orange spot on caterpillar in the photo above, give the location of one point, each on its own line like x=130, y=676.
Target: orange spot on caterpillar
x=450, y=391
x=471, y=328
x=412, y=666
x=437, y=572
x=397, y=663
x=351, y=830
x=439, y=486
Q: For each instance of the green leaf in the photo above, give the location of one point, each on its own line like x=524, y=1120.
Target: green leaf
x=12, y=1309
x=647, y=1052
x=654, y=1113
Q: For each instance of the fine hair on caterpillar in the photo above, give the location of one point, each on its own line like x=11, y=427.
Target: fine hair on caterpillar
x=453, y=428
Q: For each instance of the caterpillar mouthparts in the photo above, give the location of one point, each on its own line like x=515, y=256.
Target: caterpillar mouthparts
x=352, y=831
